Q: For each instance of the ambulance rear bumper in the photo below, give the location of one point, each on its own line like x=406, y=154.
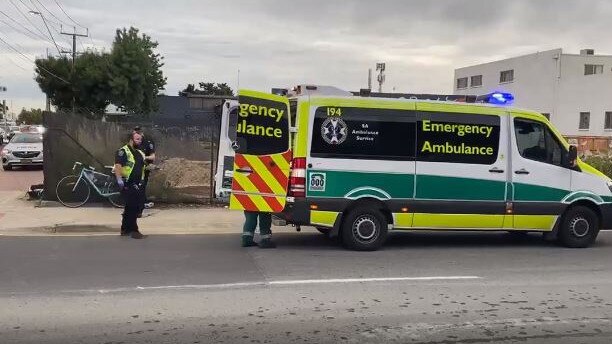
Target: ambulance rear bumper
x=297, y=212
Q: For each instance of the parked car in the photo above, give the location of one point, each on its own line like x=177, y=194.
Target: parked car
x=13, y=129
x=3, y=136
x=24, y=149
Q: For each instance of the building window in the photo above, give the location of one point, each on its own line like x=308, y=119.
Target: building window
x=462, y=83
x=585, y=118
x=547, y=115
x=590, y=69
x=608, y=124
x=506, y=76
x=476, y=81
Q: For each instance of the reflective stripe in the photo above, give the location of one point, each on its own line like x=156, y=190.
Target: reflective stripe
x=247, y=234
x=266, y=236
x=126, y=170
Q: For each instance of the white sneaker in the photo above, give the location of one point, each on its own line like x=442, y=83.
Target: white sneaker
x=149, y=205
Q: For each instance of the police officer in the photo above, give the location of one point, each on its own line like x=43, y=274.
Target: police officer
x=147, y=146
x=265, y=231
x=129, y=171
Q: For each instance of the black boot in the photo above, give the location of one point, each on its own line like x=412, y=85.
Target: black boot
x=137, y=235
x=266, y=243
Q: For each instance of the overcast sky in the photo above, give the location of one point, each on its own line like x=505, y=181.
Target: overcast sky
x=284, y=43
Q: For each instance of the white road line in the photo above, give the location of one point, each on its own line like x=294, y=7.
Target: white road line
x=284, y=282
x=374, y=279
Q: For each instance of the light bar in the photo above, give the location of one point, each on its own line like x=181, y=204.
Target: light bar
x=497, y=98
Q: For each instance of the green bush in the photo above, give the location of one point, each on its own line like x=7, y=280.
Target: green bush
x=603, y=164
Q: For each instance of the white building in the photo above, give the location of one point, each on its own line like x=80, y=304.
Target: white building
x=573, y=90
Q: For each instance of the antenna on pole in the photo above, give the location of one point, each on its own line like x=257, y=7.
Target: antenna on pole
x=370, y=79
x=380, y=68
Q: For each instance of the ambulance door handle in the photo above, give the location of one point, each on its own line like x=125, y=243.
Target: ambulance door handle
x=496, y=170
x=521, y=171
x=245, y=170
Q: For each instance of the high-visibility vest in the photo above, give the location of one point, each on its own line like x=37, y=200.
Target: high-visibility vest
x=126, y=170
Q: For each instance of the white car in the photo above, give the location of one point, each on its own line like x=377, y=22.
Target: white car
x=24, y=149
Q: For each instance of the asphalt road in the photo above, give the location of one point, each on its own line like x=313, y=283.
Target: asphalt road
x=20, y=179
x=442, y=288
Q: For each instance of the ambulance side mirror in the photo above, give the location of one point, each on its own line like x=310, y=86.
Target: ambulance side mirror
x=572, y=157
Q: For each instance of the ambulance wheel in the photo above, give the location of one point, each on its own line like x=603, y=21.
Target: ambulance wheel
x=579, y=227
x=364, y=229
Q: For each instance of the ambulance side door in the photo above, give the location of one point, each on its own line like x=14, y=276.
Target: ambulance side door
x=462, y=167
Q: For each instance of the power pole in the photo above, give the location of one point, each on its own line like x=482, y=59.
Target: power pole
x=380, y=67
x=3, y=114
x=74, y=35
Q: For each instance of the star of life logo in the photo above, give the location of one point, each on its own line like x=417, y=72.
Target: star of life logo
x=334, y=131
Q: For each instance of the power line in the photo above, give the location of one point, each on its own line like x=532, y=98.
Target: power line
x=36, y=36
x=16, y=64
x=26, y=18
x=52, y=14
x=27, y=58
x=69, y=17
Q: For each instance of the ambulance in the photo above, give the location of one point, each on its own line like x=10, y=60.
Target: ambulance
x=358, y=165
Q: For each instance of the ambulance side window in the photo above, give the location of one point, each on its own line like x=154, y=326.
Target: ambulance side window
x=363, y=133
x=536, y=142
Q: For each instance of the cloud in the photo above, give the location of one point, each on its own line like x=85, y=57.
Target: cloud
x=281, y=43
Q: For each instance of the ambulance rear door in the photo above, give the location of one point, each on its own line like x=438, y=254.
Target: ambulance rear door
x=261, y=164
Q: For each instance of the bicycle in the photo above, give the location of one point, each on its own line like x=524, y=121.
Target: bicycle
x=74, y=190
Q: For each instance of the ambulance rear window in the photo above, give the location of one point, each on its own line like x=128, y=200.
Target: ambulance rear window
x=263, y=127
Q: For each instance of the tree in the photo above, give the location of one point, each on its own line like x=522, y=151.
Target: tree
x=87, y=85
x=135, y=73
x=54, y=78
x=34, y=116
x=129, y=77
x=208, y=88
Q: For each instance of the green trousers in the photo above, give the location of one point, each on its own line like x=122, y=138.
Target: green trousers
x=250, y=224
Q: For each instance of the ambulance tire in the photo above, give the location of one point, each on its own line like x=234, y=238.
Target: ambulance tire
x=364, y=229
x=579, y=227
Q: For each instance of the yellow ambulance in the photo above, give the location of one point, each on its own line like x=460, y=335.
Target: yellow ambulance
x=356, y=166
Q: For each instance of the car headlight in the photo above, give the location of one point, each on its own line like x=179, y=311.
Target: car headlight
x=609, y=185
x=6, y=152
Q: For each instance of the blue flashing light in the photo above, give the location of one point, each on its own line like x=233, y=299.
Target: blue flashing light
x=500, y=98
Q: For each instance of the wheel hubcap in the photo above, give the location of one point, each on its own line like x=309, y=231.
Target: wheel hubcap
x=580, y=227
x=365, y=229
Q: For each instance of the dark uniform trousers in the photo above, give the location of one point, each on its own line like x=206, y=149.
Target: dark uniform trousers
x=143, y=192
x=132, y=195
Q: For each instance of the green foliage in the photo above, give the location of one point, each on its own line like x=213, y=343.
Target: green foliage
x=129, y=77
x=135, y=77
x=33, y=116
x=602, y=163
x=92, y=85
x=59, y=91
x=208, y=88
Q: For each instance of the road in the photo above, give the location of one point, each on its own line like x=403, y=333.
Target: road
x=442, y=288
x=20, y=179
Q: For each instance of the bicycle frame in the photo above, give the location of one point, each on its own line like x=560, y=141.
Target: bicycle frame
x=87, y=174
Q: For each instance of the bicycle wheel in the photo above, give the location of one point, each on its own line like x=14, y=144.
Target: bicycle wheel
x=115, y=197
x=72, y=192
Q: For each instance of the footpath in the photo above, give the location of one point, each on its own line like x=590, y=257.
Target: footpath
x=22, y=217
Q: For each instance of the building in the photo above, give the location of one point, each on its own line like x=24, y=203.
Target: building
x=573, y=90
